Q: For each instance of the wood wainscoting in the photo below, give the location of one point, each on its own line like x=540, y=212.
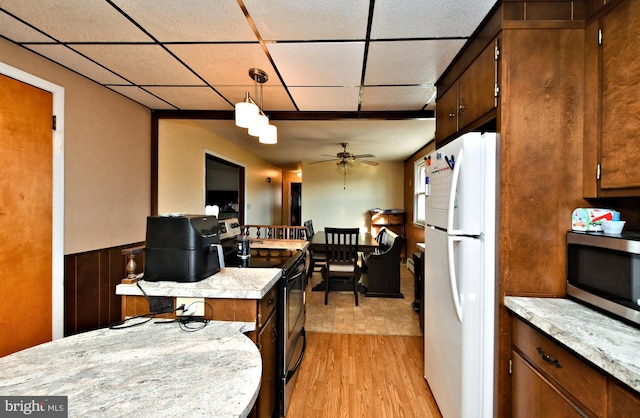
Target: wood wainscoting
x=90, y=280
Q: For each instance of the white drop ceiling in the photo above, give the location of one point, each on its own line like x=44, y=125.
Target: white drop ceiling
x=321, y=56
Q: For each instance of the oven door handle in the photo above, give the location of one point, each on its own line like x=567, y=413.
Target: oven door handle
x=294, y=277
x=291, y=372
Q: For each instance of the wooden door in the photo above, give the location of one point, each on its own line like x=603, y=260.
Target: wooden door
x=26, y=164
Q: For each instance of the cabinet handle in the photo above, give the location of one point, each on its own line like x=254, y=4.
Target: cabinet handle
x=548, y=359
x=270, y=301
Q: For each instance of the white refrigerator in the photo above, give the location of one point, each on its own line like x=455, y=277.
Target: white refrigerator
x=460, y=275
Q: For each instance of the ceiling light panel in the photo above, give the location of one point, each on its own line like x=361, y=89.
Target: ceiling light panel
x=409, y=62
x=397, y=97
x=428, y=18
x=190, y=20
x=142, y=97
x=326, y=98
x=76, y=62
x=225, y=64
x=319, y=64
x=309, y=19
x=188, y=98
x=77, y=21
x=141, y=64
x=274, y=97
x=19, y=32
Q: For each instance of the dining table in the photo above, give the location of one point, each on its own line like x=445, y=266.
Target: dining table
x=366, y=244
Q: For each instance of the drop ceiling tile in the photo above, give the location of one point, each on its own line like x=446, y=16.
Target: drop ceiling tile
x=19, y=32
x=397, y=97
x=309, y=19
x=190, y=20
x=191, y=98
x=225, y=64
x=334, y=64
x=326, y=98
x=409, y=62
x=141, y=64
x=142, y=97
x=77, y=21
x=428, y=18
x=76, y=62
x=274, y=97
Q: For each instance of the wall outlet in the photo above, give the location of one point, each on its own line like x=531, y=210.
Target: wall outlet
x=192, y=306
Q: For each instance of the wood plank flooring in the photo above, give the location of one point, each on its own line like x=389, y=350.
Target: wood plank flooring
x=356, y=375
x=364, y=361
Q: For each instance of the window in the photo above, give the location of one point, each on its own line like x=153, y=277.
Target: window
x=419, y=191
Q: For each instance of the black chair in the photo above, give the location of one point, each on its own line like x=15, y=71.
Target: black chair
x=317, y=259
x=341, y=248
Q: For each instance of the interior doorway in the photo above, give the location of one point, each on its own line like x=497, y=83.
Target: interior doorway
x=224, y=187
x=296, y=204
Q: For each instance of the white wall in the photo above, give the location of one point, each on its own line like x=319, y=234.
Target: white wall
x=327, y=203
x=181, y=172
x=106, y=157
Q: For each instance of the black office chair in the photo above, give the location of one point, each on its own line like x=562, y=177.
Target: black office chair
x=317, y=259
x=341, y=248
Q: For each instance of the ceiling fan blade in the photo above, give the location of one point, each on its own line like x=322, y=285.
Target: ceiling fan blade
x=364, y=156
x=373, y=163
x=325, y=161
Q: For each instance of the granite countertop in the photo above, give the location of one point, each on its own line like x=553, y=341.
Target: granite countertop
x=608, y=343
x=229, y=283
x=150, y=370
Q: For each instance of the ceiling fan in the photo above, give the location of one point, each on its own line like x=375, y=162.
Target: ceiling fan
x=346, y=158
x=344, y=161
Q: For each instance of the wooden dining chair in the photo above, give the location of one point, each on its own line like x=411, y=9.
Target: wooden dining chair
x=317, y=259
x=341, y=248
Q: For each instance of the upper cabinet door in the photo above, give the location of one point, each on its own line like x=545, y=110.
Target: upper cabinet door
x=478, y=87
x=620, y=63
x=612, y=103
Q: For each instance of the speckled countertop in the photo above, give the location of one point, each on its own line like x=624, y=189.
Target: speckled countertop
x=151, y=370
x=228, y=283
x=609, y=344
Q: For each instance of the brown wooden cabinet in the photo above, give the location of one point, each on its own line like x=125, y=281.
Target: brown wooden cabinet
x=612, y=108
x=472, y=96
x=550, y=381
x=262, y=312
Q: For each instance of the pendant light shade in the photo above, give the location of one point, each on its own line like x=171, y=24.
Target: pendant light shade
x=246, y=112
x=258, y=124
x=269, y=135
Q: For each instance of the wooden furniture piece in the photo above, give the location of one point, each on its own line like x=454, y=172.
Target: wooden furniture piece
x=366, y=242
x=550, y=381
x=381, y=276
x=317, y=258
x=392, y=219
x=341, y=248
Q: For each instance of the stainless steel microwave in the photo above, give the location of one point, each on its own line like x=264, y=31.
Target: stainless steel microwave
x=604, y=271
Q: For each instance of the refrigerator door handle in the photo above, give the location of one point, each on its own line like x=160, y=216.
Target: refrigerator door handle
x=453, y=193
x=452, y=276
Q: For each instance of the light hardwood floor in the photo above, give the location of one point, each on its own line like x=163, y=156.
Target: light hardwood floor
x=355, y=367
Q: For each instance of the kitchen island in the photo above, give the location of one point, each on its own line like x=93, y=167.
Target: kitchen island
x=150, y=370
x=232, y=294
x=556, y=344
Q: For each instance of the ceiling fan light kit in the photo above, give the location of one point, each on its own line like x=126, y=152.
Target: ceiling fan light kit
x=344, y=161
x=249, y=114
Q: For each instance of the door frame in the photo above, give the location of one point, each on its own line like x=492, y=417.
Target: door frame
x=57, y=238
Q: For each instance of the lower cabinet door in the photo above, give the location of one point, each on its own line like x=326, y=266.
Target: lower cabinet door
x=536, y=397
x=267, y=340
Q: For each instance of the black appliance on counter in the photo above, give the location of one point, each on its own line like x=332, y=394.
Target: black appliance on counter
x=181, y=248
